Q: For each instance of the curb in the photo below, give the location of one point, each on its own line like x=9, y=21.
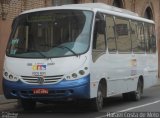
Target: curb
x=8, y=102
x=3, y=100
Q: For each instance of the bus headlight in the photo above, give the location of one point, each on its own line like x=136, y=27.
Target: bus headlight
x=10, y=77
x=77, y=74
x=81, y=72
x=74, y=75
x=6, y=74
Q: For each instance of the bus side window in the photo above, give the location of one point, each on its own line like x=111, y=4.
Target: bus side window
x=99, y=38
x=110, y=32
x=152, y=39
x=123, y=35
x=99, y=41
x=138, y=43
x=147, y=37
x=134, y=37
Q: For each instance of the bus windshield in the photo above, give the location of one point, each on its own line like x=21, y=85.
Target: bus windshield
x=49, y=34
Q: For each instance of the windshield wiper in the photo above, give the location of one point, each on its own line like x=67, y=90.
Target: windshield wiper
x=64, y=47
x=43, y=55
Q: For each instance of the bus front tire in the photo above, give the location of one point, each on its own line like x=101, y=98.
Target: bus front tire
x=97, y=103
x=28, y=105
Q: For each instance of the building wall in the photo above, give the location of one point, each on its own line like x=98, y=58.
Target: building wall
x=4, y=34
x=17, y=6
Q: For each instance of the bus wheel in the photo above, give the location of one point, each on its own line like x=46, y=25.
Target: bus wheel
x=97, y=103
x=28, y=105
x=126, y=96
x=136, y=95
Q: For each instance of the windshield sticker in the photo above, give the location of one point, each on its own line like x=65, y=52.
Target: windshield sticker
x=15, y=41
x=14, y=46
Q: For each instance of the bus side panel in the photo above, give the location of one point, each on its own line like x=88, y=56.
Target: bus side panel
x=120, y=70
x=115, y=68
x=151, y=70
x=98, y=71
x=116, y=86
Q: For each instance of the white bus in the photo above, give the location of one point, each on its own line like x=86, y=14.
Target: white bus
x=83, y=51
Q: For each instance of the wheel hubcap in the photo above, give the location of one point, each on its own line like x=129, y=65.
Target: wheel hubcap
x=138, y=92
x=99, y=100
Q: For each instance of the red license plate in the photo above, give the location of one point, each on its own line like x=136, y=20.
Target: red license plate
x=40, y=91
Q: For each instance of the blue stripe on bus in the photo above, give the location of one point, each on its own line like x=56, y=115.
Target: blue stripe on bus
x=66, y=89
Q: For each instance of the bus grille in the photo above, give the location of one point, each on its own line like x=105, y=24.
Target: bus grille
x=46, y=79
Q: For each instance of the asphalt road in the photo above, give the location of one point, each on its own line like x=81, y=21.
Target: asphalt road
x=113, y=107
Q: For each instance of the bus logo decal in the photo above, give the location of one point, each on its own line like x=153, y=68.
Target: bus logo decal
x=39, y=67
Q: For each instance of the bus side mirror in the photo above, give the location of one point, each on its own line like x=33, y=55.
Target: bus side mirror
x=101, y=24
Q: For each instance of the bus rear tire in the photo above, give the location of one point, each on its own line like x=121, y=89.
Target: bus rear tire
x=28, y=105
x=136, y=95
x=97, y=103
x=126, y=96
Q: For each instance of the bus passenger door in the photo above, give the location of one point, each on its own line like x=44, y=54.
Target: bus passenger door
x=98, y=67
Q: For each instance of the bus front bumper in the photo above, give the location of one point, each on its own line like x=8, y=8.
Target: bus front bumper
x=62, y=91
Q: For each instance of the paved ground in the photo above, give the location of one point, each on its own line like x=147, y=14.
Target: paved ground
x=150, y=102
x=3, y=100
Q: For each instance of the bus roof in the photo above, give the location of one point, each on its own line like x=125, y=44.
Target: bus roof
x=95, y=7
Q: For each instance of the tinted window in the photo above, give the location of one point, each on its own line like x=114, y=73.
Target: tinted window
x=110, y=33
x=54, y=33
x=123, y=35
x=147, y=37
x=138, y=42
x=99, y=41
x=152, y=39
x=133, y=34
